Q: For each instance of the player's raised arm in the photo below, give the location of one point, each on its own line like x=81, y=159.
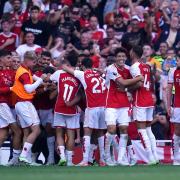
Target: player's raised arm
x=68, y=69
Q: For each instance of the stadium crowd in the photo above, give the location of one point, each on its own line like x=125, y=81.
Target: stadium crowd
x=89, y=73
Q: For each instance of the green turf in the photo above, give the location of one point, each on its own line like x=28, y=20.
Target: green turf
x=91, y=173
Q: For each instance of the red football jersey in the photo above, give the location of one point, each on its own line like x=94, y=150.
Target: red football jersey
x=84, y=23
x=174, y=77
x=6, y=81
x=68, y=87
x=116, y=98
x=94, y=87
x=142, y=97
x=97, y=36
x=4, y=38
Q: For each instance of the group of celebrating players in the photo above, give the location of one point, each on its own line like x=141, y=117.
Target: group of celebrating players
x=109, y=99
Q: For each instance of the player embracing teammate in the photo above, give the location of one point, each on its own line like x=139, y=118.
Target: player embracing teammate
x=117, y=112
x=143, y=104
x=95, y=91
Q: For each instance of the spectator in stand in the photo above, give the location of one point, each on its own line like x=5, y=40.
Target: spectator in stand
x=174, y=8
x=97, y=9
x=18, y=16
x=85, y=16
x=28, y=46
x=8, y=7
x=110, y=42
x=119, y=25
x=8, y=40
x=110, y=36
x=170, y=33
x=40, y=29
x=97, y=34
x=58, y=47
x=137, y=36
x=147, y=52
x=84, y=42
x=75, y=17
x=163, y=50
x=169, y=62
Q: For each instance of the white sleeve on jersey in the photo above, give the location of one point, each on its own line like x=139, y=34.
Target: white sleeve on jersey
x=134, y=70
x=111, y=73
x=55, y=76
x=171, y=75
x=80, y=75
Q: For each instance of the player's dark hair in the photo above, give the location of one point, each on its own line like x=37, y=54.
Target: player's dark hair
x=72, y=58
x=87, y=62
x=4, y=53
x=35, y=8
x=46, y=53
x=120, y=50
x=138, y=51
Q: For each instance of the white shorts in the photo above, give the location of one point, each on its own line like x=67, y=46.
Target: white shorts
x=13, y=111
x=175, y=118
x=27, y=114
x=117, y=116
x=143, y=114
x=46, y=116
x=65, y=121
x=95, y=118
x=6, y=116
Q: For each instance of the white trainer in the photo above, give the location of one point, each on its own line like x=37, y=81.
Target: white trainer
x=13, y=162
x=109, y=162
x=123, y=163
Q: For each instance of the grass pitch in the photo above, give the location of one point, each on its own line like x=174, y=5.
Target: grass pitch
x=160, y=172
